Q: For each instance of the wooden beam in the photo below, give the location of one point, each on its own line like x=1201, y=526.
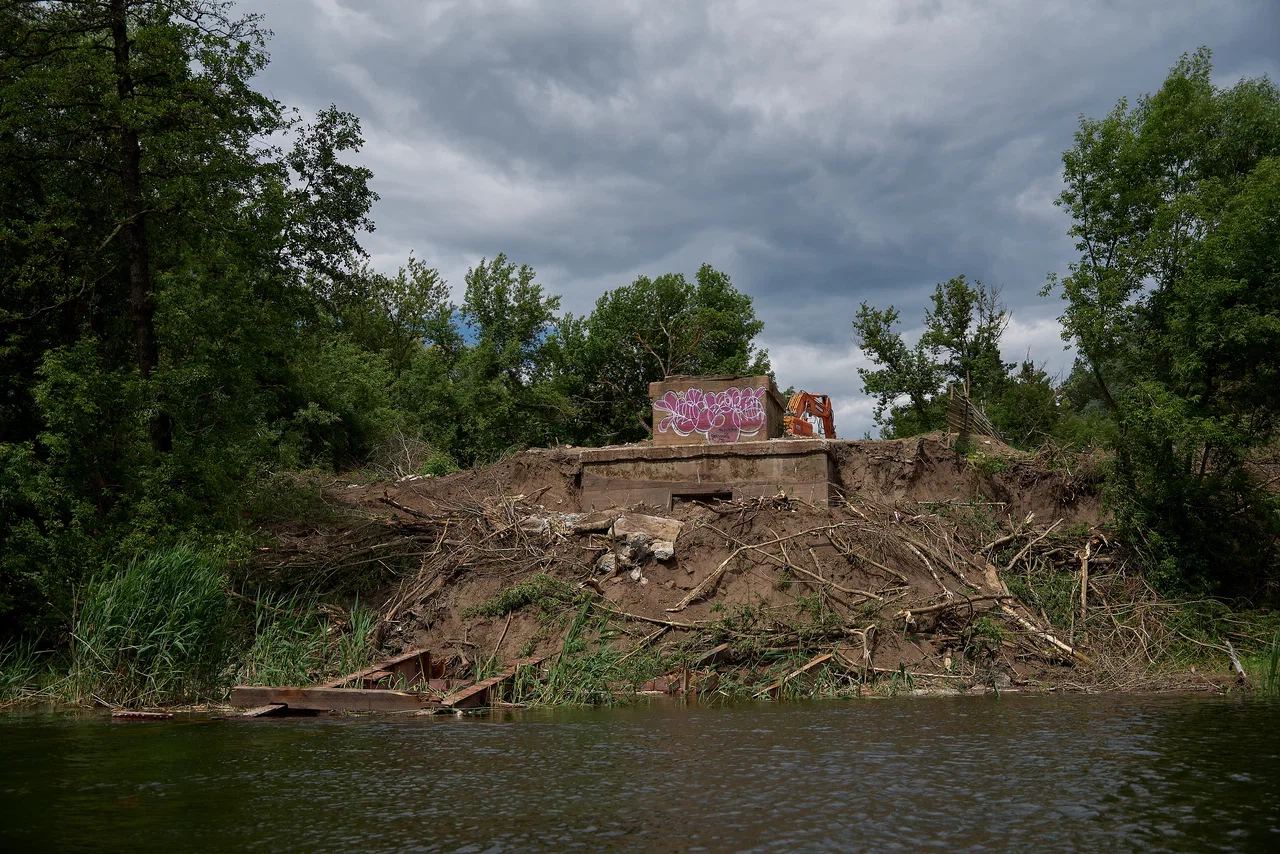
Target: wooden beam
x=331, y=699
x=477, y=694
x=389, y=664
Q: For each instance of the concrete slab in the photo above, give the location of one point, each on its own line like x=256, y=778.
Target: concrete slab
x=657, y=475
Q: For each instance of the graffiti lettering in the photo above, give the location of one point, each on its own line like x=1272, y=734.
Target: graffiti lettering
x=723, y=417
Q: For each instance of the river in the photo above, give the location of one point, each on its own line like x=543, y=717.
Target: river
x=1014, y=773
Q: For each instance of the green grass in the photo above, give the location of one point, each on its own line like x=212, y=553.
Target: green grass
x=1264, y=669
x=156, y=631
x=550, y=594
x=296, y=642
x=26, y=671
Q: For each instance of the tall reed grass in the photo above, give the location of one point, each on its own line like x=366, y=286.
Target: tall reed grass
x=295, y=642
x=1265, y=669
x=156, y=631
x=26, y=671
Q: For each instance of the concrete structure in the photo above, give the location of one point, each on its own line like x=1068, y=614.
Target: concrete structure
x=715, y=410
x=656, y=475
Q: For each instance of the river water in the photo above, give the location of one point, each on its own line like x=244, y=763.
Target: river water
x=1012, y=773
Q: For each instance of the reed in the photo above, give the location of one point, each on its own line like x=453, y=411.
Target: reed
x=297, y=642
x=1265, y=669
x=157, y=631
x=26, y=671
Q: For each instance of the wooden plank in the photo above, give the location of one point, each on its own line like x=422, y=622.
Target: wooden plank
x=773, y=689
x=389, y=664
x=264, y=711
x=477, y=694
x=126, y=715
x=331, y=699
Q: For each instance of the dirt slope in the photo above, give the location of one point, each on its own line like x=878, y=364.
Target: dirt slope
x=910, y=574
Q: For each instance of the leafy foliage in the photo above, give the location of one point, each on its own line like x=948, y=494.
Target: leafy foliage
x=960, y=346
x=1175, y=203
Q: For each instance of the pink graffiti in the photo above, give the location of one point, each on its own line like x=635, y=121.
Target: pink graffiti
x=722, y=417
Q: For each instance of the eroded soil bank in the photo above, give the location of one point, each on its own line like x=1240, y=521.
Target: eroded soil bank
x=990, y=571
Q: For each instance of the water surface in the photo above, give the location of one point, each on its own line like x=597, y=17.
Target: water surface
x=941, y=774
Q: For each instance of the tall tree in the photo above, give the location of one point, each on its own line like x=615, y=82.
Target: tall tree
x=651, y=329
x=158, y=272
x=960, y=344
x=1173, y=306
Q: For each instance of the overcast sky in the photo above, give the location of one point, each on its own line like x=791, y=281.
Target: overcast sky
x=822, y=153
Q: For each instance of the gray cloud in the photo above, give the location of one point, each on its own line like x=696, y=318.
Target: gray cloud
x=821, y=152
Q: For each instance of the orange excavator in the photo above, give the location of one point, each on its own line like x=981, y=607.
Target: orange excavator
x=809, y=416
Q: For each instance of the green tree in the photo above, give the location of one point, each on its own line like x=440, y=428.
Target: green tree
x=646, y=331
x=504, y=391
x=960, y=344
x=159, y=261
x=1175, y=205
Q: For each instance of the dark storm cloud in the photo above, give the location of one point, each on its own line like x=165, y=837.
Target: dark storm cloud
x=822, y=152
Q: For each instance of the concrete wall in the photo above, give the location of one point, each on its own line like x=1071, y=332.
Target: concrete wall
x=654, y=475
x=715, y=410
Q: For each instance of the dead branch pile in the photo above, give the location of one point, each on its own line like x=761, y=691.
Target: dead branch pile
x=874, y=587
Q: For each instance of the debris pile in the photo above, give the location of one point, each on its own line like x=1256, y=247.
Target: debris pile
x=986, y=572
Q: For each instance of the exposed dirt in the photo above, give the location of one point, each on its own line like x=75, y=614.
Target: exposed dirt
x=909, y=575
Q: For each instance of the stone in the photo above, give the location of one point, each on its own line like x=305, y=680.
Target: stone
x=664, y=549
x=593, y=523
x=535, y=524
x=635, y=574
x=629, y=525
x=607, y=562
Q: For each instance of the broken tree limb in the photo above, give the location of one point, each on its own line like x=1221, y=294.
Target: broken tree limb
x=771, y=690
x=671, y=624
x=1028, y=626
x=945, y=590
x=644, y=642
x=1084, y=579
x=955, y=603
x=707, y=583
x=1047, y=531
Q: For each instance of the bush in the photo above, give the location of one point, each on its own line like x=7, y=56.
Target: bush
x=157, y=631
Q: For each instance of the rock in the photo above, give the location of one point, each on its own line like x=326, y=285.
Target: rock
x=652, y=527
x=535, y=524
x=664, y=549
x=594, y=523
x=607, y=562
x=635, y=574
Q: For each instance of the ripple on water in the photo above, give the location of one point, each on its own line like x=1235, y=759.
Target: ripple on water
x=946, y=774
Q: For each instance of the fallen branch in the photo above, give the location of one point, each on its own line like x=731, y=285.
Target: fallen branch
x=1047, y=531
x=714, y=576
x=956, y=603
x=1045, y=636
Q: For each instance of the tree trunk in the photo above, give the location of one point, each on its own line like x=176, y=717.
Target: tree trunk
x=141, y=307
